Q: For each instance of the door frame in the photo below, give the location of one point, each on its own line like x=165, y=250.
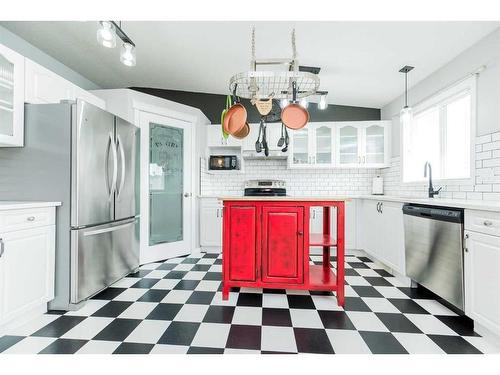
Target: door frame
x=157, y=252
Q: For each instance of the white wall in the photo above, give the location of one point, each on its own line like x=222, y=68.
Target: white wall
x=485, y=52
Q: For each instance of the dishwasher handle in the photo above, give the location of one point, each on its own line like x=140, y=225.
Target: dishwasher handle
x=453, y=215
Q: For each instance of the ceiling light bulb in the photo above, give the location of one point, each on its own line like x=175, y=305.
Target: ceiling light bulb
x=304, y=103
x=127, y=54
x=322, y=102
x=106, y=34
x=284, y=102
x=406, y=116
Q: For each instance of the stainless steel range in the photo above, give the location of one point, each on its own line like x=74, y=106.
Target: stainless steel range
x=263, y=188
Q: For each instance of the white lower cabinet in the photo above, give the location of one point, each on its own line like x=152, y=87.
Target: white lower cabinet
x=482, y=279
x=381, y=232
x=27, y=257
x=211, y=225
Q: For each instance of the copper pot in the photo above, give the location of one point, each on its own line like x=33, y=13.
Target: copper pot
x=294, y=116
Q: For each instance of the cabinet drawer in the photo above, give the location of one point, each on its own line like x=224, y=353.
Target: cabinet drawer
x=12, y=220
x=483, y=222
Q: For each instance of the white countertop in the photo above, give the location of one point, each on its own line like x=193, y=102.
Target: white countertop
x=14, y=205
x=482, y=205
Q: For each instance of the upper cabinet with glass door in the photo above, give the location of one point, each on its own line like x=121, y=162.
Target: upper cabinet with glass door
x=11, y=98
x=312, y=146
x=363, y=144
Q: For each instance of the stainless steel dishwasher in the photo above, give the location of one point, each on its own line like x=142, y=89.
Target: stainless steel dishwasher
x=434, y=250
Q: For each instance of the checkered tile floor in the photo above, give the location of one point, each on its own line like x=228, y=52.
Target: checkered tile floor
x=176, y=307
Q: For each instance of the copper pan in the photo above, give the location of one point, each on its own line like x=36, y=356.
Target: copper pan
x=294, y=116
x=243, y=132
x=236, y=116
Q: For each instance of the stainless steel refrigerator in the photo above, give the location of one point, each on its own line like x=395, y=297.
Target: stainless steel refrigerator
x=88, y=159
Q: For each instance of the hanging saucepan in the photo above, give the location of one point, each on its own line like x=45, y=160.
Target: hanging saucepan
x=245, y=130
x=294, y=116
x=236, y=117
x=223, y=115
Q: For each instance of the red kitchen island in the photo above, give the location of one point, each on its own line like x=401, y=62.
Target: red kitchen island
x=266, y=243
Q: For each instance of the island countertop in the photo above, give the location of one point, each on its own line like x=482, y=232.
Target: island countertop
x=285, y=198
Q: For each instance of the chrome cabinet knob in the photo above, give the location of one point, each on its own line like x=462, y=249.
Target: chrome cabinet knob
x=487, y=223
x=187, y=195
x=30, y=218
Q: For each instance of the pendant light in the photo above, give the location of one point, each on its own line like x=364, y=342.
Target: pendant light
x=127, y=54
x=322, y=104
x=106, y=34
x=406, y=114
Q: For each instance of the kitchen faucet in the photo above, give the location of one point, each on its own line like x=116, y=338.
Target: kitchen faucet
x=432, y=192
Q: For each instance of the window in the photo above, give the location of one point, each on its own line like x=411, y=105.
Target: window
x=441, y=133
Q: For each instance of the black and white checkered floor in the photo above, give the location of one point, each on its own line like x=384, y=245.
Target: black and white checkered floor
x=176, y=307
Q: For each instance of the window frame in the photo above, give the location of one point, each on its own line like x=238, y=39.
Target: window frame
x=441, y=99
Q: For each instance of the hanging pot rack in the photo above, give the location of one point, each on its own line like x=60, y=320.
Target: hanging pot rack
x=261, y=84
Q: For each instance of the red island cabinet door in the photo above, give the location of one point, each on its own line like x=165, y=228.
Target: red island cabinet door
x=241, y=226
x=283, y=245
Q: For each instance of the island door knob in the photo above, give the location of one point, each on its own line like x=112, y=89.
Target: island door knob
x=300, y=233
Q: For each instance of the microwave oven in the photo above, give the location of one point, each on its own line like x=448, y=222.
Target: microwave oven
x=223, y=162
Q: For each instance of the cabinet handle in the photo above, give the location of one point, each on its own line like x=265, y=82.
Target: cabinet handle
x=2, y=247
x=359, y=159
x=364, y=159
x=381, y=207
x=378, y=206
x=30, y=218
x=466, y=237
x=488, y=223
x=300, y=233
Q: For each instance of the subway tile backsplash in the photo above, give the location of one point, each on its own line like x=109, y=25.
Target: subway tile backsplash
x=487, y=177
x=300, y=182
x=310, y=182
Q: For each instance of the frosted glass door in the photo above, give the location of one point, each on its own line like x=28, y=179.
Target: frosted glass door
x=348, y=145
x=323, y=145
x=166, y=175
x=374, y=144
x=301, y=146
x=6, y=97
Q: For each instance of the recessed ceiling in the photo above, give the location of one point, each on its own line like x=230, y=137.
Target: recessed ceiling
x=359, y=60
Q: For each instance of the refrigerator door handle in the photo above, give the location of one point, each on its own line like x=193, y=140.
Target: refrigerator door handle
x=111, y=146
x=109, y=229
x=122, y=157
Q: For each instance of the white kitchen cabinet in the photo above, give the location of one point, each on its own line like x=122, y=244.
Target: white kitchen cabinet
x=381, y=232
x=363, y=144
x=44, y=86
x=27, y=259
x=216, y=139
x=316, y=223
x=312, y=146
x=482, y=270
x=11, y=98
x=211, y=225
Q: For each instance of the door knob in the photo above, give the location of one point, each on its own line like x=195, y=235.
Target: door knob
x=300, y=233
x=187, y=195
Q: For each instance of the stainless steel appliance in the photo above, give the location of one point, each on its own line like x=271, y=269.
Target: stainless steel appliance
x=88, y=159
x=223, y=162
x=434, y=250
x=265, y=188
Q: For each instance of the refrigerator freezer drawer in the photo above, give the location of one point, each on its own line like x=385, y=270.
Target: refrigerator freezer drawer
x=101, y=255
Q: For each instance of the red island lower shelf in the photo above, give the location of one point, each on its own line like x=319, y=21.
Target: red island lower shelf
x=266, y=244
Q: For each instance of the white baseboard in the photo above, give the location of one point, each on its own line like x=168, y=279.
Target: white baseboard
x=211, y=249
